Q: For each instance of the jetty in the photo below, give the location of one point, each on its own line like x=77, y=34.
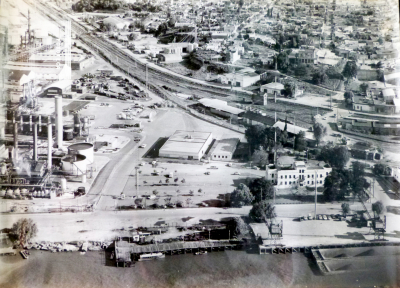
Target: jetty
x=125, y=251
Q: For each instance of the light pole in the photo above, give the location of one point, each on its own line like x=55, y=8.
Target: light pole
x=137, y=181
x=315, y=209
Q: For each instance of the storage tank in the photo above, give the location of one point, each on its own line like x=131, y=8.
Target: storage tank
x=2, y=193
x=74, y=164
x=63, y=184
x=85, y=149
x=17, y=192
x=35, y=194
x=24, y=192
x=68, y=133
x=10, y=192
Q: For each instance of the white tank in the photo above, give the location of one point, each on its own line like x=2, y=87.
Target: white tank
x=83, y=178
x=63, y=184
x=10, y=192
x=24, y=192
x=86, y=149
x=2, y=193
x=74, y=164
x=17, y=192
x=35, y=194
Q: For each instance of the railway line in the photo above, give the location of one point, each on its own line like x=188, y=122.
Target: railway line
x=134, y=67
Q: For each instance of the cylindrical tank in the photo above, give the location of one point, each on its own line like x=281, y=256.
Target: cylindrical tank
x=3, y=169
x=24, y=192
x=63, y=184
x=74, y=164
x=2, y=193
x=47, y=193
x=35, y=194
x=83, y=178
x=10, y=192
x=17, y=192
x=85, y=149
x=68, y=134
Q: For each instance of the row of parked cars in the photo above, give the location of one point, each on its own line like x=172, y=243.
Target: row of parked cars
x=323, y=217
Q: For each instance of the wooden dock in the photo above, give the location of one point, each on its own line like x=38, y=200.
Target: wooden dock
x=125, y=252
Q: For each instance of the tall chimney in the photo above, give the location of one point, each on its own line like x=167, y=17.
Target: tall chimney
x=50, y=144
x=59, y=124
x=16, y=141
x=35, y=130
x=77, y=125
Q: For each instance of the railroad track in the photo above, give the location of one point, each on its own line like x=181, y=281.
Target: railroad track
x=134, y=67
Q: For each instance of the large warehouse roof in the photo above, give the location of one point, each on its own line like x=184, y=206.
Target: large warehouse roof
x=220, y=105
x=186, y=141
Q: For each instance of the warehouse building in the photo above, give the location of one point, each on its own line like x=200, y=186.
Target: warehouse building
x=186, y=145
x=223, y=149
x=221, y=108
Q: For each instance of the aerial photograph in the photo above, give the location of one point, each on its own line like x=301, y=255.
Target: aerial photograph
x=199, y=143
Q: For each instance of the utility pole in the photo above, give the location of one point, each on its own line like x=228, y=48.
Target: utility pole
x=137, y=182
x=147, y=78
x=315, y=209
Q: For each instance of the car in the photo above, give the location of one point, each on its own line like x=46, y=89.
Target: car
x=325, y=218
x=319, y=217
x=323, y=118
x=152, y=196
x=207, y=173
x=328, y=217
x=213, y=167
x=236, y=173
x=310, y=217
x=143, y=146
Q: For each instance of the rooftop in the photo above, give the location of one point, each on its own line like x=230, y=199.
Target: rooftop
x=225, y=146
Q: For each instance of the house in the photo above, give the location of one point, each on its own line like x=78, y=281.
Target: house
x=306, y=54
x=252, y=118
x=288, y=173
x=221, y=108
x=272, y=89
x=169, y=58
x=223, y=149
x=243, y=78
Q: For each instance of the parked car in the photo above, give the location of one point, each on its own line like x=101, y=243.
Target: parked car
x=310, y=217
x=207, y=173
x=236, y=173
x=325, y=218
x=143, y=146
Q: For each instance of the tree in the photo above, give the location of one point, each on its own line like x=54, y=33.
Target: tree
x=357, y=180
x=350, y=70
x=260, y=157
x=348, y=96
x=241, y=196
x=300, y=143
x=172, y=21
x=24, y=229
x=336, y=156
x=364, y=87
x=319, y=132
x=345, y=209
x=302, y=70
x=262, y=211
x=336, y=185
x=261, y=189
x=380, y=41
x=155, y=192
x=377, y=208
x=319, y=77
x=254, y=136
x=379, y=169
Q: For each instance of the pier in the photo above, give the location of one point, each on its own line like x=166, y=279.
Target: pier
x=125, y=252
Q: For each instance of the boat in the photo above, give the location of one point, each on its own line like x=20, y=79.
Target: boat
x=200, y=253
x=151, y=256
x=25, y=254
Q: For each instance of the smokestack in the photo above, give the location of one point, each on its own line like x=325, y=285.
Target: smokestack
x=50, y=144
x=59, y=125
x=35, y=154
x=77, y=125
x=16, y=141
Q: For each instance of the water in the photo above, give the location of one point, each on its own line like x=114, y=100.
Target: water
x=216, y=269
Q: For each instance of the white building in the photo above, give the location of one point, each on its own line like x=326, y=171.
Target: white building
x=289, y=173
x=186, y=145
x=242, y=78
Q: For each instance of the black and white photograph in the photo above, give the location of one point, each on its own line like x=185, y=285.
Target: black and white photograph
x=199, y=143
